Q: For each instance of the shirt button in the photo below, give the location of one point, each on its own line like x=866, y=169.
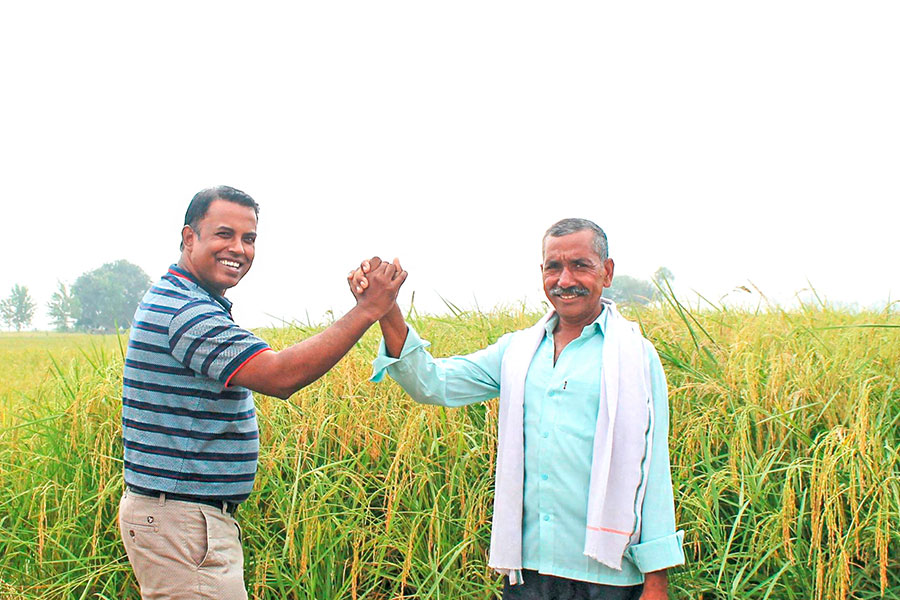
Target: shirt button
x=546, y=517
x=546, y=434
x=544, y=477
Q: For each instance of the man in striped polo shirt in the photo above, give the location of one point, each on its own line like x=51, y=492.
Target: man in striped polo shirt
x=188, y=420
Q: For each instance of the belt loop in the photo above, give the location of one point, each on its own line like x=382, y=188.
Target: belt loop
x=162, y=498
x=224, y=507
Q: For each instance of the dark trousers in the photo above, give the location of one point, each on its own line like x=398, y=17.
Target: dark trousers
x=548, y=587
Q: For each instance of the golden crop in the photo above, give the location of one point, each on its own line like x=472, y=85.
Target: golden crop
x=785, y=446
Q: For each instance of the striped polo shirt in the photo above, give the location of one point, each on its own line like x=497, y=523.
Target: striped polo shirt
x=185, y=430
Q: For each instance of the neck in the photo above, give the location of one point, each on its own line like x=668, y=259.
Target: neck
x=184, y=264
x=576, y=325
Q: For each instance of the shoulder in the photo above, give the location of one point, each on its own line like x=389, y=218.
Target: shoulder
x=198, y=316
x=158, y=306
x=171, y=293
x=199, y=305
x=523, y=335
x=650, y=349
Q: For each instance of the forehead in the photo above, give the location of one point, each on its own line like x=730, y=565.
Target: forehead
x=570, y=247
x=222, y=213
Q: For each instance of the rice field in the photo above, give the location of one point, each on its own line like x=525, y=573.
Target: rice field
x=785, y=444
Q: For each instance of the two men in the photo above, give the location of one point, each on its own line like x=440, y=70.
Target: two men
x=583, y=502
x=188, y=421
x=583, y=505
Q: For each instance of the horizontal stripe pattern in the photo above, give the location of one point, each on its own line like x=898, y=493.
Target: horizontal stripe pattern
x=194, y=414
x=205, y=456
x=183, y=430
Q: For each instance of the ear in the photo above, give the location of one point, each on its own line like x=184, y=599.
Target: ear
x=609, y=267
x=188, y=235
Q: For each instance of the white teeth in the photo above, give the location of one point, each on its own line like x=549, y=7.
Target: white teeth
x=230, y=263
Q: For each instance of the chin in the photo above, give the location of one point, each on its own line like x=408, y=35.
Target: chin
x=567, y=311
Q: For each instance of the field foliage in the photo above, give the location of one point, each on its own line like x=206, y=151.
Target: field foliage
x=785, y=444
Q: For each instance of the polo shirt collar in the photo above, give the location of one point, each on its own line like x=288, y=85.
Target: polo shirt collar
x=184, y=274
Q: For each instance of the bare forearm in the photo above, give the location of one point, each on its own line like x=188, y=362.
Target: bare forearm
x=283, y=373
x=395, y=330
x=308, y=360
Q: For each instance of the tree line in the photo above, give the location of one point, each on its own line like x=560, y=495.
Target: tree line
x=631, y=290
x=104, y=299
x=101, y=300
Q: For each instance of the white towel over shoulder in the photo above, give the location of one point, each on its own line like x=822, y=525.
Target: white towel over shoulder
x=622, y=446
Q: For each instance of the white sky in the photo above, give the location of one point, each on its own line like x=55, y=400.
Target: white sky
x=730, y=142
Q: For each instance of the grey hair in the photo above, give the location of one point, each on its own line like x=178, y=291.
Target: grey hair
x=568, y=226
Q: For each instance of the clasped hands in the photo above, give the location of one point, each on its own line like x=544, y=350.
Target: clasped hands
x=375, y=285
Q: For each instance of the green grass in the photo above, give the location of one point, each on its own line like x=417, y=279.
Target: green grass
x=784, y=443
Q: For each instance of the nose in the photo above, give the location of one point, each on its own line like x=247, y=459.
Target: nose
x=236, y=246
x=566, y=279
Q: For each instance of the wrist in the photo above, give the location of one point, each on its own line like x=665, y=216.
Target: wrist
x=393, y=317
x=656, y=584
x=366, y=313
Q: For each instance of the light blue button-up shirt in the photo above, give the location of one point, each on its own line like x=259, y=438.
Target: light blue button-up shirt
x=561, y=406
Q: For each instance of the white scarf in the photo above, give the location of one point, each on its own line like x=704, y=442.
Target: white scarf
x=624, y=422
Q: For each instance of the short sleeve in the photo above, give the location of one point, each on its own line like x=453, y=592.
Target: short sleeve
x=204, y=338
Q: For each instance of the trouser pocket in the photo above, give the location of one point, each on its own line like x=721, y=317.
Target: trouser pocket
x=223, y=542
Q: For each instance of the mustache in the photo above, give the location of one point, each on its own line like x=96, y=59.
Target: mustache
x=575, y=289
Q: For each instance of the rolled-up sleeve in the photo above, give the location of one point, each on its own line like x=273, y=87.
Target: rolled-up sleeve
x=383, y=361
x=453, y=381
x=660, y=546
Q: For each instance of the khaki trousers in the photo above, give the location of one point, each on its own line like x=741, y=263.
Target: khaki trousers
x=182, y=550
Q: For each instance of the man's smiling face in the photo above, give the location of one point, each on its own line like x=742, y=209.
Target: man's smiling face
x=220, y=249
x=574, y=276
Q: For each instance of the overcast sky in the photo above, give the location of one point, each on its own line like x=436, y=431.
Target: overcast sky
x=730, y=142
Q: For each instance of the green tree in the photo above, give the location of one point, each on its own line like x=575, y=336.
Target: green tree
x=62, y=308
x=663, y=274
x=108, y=295
x=17, y=310
x=626, y=289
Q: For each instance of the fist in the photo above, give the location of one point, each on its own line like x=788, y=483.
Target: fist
x=357, y=279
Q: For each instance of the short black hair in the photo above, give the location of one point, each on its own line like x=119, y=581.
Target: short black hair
x=199, y=205
x=568, y=226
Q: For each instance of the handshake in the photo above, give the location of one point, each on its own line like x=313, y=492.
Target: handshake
x=375, y=285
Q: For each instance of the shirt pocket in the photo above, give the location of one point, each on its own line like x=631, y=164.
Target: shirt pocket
x=577, y=413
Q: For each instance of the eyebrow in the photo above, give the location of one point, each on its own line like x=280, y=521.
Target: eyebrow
x=221, y=228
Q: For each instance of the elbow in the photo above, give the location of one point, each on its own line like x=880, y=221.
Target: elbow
x=430, y=399
x=274, y=391
x=285, y=390
x=283, y=394
x=277, y=389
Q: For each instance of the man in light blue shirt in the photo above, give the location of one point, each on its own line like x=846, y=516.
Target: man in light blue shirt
x=562, y=400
